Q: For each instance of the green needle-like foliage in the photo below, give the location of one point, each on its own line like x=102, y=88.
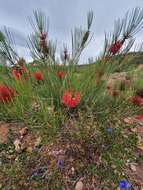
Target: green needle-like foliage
x=7, y=47
x=41, y=47
x=124, y=30
x=80, y=39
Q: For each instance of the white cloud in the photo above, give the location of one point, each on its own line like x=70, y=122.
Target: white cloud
x=24, y=52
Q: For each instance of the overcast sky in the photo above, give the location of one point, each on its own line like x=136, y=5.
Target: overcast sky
x=64, y=15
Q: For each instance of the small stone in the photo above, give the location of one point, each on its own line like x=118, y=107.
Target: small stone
x=38, y=141
x=23, y=131
x=133, y=130
x=29, y=149
x=79, y=185
x=133, y=167
x=16, y=159
x=17, y=145
x=113, y=166
x=128, y=161
x=129, y=120
x=72, y=170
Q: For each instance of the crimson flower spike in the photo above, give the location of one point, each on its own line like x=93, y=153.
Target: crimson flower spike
x=6, y=94
x=65, y=53
x=124, y=30
x=41, y=47
x=43, y=36
x=71, y=99
x=38, y=76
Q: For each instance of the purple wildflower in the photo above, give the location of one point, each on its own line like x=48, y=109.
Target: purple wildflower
x=59, y=164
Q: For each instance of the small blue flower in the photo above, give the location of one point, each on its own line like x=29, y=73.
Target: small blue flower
x=110, y=130
x=124, y=184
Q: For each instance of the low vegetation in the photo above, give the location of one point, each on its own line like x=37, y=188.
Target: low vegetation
x=67, y=126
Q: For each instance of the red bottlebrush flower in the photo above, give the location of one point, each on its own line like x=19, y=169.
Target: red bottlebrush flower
x=19, y=72
x=6, y=94
x=43, y=43
x=137, y=100
x=16, y=74
x=71, y=99
x=38, y=76
x=65, y=54
x=114, y=48
x=43, y=36
x=22, y=70
x=139, y=118
x=60, y=74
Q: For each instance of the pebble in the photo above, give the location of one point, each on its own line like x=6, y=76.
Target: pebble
x=72, y=170
x=29, y=149
x=133, y=167
x=79, y=185
x=17, y=145
x=23, y=131
x=38, y=141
